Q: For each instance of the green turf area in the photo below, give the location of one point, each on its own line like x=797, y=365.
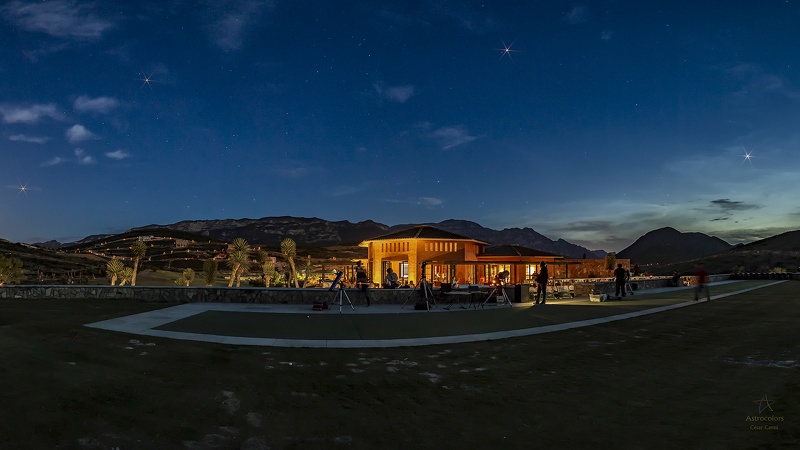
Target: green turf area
x=685, y=378
x=333, y=325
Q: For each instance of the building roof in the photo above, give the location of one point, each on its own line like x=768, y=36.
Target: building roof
x=424, y=232
x=516, y=250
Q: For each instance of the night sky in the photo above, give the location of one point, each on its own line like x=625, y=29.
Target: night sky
x=594, y=122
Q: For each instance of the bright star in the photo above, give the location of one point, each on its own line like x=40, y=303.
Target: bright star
x=747, y=156
x=761, y=404
x=506, y=50
x=23, y=188
x=147, y=80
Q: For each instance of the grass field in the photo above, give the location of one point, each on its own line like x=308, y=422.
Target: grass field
x=686, y=378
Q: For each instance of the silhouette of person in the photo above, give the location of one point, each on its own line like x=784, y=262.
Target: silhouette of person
x=363, y=281
x=391, y=279
x=541, y=284
x=702, y=280
x=620, y=276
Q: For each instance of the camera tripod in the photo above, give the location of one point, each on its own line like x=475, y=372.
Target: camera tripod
x=498, y=290
x=423, y=289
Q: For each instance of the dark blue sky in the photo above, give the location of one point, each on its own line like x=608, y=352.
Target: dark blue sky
x=605, y=120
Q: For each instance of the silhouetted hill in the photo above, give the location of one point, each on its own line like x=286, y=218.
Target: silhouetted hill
x=668, y=245
x=270, y=231
x=525, y=237
x=314, y=232
x=789, y=241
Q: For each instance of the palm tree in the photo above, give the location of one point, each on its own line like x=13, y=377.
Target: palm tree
x=114, y=269
x=238, y=255
x=126, y=276
x=10, y=270
x=268, y=269
x=138, y=250
x=289, y=250
x=188, y=276
x=210, y=271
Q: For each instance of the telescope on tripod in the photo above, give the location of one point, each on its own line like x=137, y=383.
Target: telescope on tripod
x=423, y=289
x=342, y=293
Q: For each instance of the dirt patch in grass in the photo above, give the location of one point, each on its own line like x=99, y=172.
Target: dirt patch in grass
x=686, y=378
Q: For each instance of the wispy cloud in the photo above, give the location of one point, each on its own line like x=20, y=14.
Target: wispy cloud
x=118, y=155
x=578, y=14
x=99, y=105
x=728, y=205
x=78, y=133
x=54, y=161
x=58, y=18
x=29, y=114
x=26, y=138
x=231, y=22
x=398, y=94
x=430, y=201
x=83, y=157
x=756, y=81
x=453, y=136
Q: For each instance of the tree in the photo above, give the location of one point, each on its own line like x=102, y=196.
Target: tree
x=611, y=260
x=126, y=276
x=238, y=258
x=210, y=268
x=268, y=270
x=114, y=269
x=138, y=250
x=186, y=278
x=289, y=250
x=10, y=270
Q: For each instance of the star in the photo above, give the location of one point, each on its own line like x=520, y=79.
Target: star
x=23, y=188
x=506, y=50
x=763, y=404
x=147, y=80
x=747, y=156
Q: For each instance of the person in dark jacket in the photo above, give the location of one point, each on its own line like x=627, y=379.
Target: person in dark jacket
x=620, y=276
x=362, y=281
x=541, y=284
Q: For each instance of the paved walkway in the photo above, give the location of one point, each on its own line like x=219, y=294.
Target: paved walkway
x=299, y=326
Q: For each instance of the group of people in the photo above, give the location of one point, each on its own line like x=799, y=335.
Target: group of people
x=622, y=278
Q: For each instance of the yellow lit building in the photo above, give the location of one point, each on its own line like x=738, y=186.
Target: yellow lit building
x=449, y=257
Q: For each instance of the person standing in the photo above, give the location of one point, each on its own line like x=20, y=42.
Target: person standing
x=702, y=283
x=363, y=281
x=541, y=284
x=620, y=276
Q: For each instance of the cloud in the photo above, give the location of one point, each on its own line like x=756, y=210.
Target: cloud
x=29, y=114
x=453, y=136
x=78, y=133
x=56, y=160
x=118, y=154
x=728, y=205
x=398, y=94
x=83, y=158
x=32, y=139
x=229, y=26
x=430, y=201
x=99, y=105
x=756, y=82
x=58, y=18
x=578, y=14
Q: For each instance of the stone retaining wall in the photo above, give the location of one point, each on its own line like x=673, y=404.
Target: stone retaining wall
x=179, y=294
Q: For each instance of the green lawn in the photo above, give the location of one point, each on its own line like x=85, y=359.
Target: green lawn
x=686, y=378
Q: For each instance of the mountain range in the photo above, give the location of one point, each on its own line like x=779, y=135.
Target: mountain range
x=662, y=246
x=668, y=245
x=314, y=232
